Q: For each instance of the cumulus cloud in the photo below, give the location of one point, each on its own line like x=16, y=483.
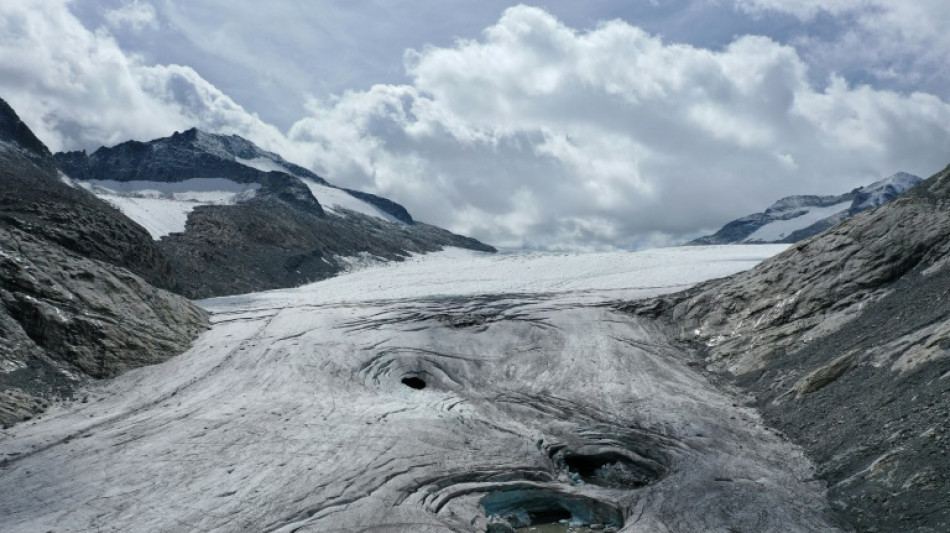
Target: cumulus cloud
x=540, y=135
x=536, y=134
x=78, y=89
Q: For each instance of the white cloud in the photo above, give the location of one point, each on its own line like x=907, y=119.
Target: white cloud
x=135, y=14
x=77, y=89
x=903, y=43
x=542, y=135
x=536, y=134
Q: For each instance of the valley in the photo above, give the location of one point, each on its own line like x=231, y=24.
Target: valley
x=456, y=391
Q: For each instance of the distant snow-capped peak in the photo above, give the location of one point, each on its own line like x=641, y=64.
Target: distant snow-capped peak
x=794, y=218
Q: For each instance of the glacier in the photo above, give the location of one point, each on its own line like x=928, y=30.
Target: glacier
x=455, y=391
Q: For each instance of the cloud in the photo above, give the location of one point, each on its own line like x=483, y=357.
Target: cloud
x=803, y=9
x=535, y=134
x=897, y=43
x=135, y=14
x=78, y=89
x=541, y=135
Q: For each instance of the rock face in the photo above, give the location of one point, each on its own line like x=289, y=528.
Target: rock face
x=35, y=200
x=70, y=309
x=796, y=218
x=843, y=343
x=291, y=228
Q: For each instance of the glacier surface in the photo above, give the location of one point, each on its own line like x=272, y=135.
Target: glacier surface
x=437, y=394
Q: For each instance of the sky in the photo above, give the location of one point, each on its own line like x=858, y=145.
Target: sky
x=553, y=125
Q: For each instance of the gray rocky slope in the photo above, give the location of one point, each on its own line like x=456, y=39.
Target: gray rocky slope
x=75, y=297
x=796, y=214
x=280, y=236
x=843, y=343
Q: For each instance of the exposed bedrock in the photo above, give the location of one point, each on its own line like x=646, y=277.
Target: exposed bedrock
x=391, y=417
x=65, y=319
x=78, y=296
x=842, y=342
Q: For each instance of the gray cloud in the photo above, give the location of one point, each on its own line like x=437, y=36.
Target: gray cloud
x=900, y=44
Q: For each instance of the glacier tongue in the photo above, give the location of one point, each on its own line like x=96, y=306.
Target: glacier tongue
x=415, y=398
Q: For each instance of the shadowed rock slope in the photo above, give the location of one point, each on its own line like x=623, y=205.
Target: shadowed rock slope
x=842, y=342
x=257, y=246
x=70, y=309
x=279, y=236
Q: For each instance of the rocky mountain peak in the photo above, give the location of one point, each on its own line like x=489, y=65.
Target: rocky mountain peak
x=883, y=191
x=794, y=218
x=18, y=135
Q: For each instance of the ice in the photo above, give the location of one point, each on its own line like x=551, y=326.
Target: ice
x=456, y=272
x=779, y=229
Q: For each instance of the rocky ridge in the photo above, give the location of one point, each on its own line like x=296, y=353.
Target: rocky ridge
x=842, y=342
x=279, y=236
x=795, y=218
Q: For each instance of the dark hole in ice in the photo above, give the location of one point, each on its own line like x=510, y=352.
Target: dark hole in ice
x=414, y=383
x=549, y=516
x=611, y=470
x=520, y=507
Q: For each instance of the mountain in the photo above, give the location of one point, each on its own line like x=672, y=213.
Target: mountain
x=234, y=218
x=842, y=342
x=795, y=218
x=78, y=295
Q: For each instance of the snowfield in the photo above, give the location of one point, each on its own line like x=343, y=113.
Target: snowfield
x=162, y=208
x=331, y=198
x=779, y=229
x=439, y=394
x=334, y=200
x=455, y=272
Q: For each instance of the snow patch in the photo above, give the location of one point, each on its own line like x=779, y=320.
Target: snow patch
x=779, y=229
x=162, y=208
x=264, y=164
x=336, y=200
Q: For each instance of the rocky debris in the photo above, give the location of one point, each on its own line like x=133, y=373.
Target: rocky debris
x=843, y=343
x=70, y=309
x=802, y=209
